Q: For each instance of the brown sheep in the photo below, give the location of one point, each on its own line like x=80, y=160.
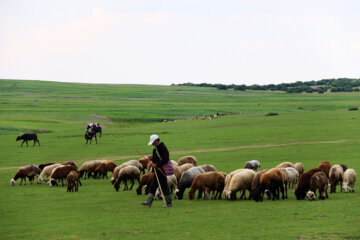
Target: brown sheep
x=144, y=162
x=70, y=163
x=60, y=173
x=127, y=173
x=273, y=180
x=304, y=183
x=318, y=181
x=29, y=171
x=255, y=185
x=335, y=177
x=325, y=167
x=211, y=180
x=103, y=168
x=73, y=181
x=187, y=159
x=145, y=180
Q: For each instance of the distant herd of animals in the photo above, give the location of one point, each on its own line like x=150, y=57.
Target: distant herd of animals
x=312, y=184
x=91, y=130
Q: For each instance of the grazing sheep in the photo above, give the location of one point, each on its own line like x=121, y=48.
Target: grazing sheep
x=116, y=171
x=335, y=177
x=325, y=167
x=28, y=137
x=185, y=167
x=208, y=168
x=134, y=163
x=228, y=179
x=103, y=168
x=272, y=180
x=186, y=180
x=144, y=162
x=187, y=159
x=212, y=180
x=70, y=163
x=285, y=165
x=290, y=177
x=304, y=183
x=127, y=173
x=41, y=166
x=47, y=172
x=60, y=173
x=29, y=171
x=177, y=172
x=299, y=167
x=349, y=180
x=73, y=181
x=255, y=185
x=318, y=181
x=145, y=180
x=240, y=181
x=89, y=167
x=253, y=164
x=89, y=136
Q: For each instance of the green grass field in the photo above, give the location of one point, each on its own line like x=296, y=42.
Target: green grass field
x=310, y=128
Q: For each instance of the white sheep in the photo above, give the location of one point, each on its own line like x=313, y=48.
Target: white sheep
x=349, y=180
x=240, y=181
x=46, y=172
x=291, y=176
x=335, y=177
x=116, y=171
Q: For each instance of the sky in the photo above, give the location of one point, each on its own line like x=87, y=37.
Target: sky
x=177, y=41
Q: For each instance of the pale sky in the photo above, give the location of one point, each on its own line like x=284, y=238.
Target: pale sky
x=176, y=41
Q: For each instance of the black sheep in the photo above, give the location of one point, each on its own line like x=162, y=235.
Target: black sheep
x=28, y=137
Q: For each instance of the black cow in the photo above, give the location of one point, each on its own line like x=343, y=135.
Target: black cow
x=90, y=136
x=28, y=137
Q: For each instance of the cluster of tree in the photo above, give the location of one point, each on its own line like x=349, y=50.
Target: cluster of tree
x=321, y=86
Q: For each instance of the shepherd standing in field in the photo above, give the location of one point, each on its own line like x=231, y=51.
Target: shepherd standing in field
x=162, y=165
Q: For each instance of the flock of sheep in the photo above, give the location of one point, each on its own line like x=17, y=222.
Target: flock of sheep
x=205, y=178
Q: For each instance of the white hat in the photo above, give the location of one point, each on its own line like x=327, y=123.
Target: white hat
x=153, y=138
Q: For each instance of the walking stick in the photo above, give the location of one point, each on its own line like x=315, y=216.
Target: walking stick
x=162, y=194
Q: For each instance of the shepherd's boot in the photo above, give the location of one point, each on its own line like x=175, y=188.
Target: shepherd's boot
x=168, y=201
x=149, y=200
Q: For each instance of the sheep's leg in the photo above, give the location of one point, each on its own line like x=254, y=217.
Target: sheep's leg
x=95, y=138
x=22, y=143
x=34, y=142
x=286, y=189
x=125, y=185
x=62, y=182
x=21, y=181
x=200, y=193
x=132, y=183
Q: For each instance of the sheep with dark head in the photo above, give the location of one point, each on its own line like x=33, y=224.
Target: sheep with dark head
x=304, y=183
x=29, y=171
x=253, y=164
x=125, y=174
x=212, y=180
x=318, y=181
x=187, y=159
x=335, y=177
x=349, y=180
x=187, y=179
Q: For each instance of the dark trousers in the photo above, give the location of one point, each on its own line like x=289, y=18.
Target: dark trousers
x=163, y=182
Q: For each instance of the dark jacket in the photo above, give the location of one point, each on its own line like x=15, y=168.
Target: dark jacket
x=164, y=155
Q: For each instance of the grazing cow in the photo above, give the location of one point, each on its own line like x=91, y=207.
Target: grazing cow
x=94, y=127
x=28, y=137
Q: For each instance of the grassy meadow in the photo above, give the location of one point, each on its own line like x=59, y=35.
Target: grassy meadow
x=310, y=128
